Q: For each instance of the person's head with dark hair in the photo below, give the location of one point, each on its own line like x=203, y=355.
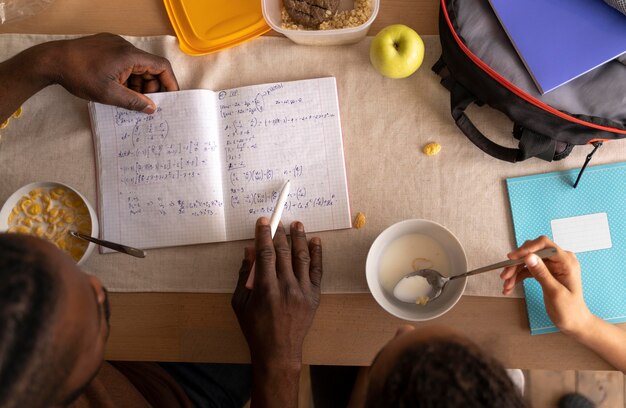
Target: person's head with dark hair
x=435, y=367
x=53, y=324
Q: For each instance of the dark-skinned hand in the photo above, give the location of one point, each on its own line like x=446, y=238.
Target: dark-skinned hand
x=277, y=313
x=108, y=69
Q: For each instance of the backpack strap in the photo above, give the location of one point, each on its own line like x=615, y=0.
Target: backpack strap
x=460, y=99
x=531, y=143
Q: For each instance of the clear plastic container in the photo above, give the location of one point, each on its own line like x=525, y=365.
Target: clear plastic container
x=272, y=14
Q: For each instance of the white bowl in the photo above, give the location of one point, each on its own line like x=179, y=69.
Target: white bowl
x=272, y=14
x=455, y=256
x=22, y=191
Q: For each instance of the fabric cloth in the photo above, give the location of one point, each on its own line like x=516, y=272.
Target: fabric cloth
x=385, y=125
x=331, y=386
x=213, y=385
x=139, y=384
x=136, y=385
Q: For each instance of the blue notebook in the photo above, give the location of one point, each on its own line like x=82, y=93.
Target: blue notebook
x=589, y=220
x=559, y=40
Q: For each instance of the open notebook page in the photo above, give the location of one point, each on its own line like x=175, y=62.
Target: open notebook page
x=277, y=132
x=160, y=181
x=206, y=165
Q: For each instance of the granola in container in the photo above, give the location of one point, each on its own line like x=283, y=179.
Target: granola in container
x=355, y=17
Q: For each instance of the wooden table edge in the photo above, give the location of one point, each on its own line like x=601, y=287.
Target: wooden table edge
x=349, y=329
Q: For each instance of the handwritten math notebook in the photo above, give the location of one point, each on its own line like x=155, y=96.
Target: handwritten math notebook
x=207, y=164
x=589, y=220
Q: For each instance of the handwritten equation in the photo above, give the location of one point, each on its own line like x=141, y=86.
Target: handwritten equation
x=161, y=159
x=264, y=203
x=206, y=164
x=147, y=156
x=271, y=135
x=159, y=206
x=250, y=176
x=159, y=150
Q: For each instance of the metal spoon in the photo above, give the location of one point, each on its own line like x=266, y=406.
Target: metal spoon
x=111, y=245
x=438, y=282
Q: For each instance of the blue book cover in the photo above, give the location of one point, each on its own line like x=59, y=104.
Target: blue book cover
x=559, y=40
x=589, y=220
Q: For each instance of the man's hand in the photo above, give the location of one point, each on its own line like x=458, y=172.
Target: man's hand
x=277, y=313
x=108, y=69
x=559, y=277
x=103, y=68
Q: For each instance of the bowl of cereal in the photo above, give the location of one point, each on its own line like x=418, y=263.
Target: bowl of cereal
x=50, y=210
x=321, y=22
x=408, y=246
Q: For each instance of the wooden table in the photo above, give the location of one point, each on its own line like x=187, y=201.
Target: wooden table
x=348, y=329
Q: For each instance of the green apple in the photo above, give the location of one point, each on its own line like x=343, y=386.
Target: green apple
x=397, y=51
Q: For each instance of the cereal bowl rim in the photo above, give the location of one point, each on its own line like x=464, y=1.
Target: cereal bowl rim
x=387, y=236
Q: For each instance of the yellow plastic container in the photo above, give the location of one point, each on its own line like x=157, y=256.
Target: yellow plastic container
x=203, y=27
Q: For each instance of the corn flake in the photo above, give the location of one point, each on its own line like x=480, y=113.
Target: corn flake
x=431, y=149
x=51, y=214
x=359, y=220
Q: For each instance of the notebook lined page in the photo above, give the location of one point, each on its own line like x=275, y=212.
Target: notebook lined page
x=160, y=181
x=207, y=164
x=277, y=132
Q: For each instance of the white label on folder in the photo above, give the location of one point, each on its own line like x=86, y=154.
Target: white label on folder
x=584, y=233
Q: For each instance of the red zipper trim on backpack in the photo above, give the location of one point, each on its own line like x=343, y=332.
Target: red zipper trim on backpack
x=534, y=101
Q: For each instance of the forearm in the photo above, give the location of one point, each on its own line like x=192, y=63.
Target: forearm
x=23, y=76
x=606, y=340
x=275, y=385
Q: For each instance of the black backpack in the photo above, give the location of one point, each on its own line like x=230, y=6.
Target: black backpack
x=479, y=65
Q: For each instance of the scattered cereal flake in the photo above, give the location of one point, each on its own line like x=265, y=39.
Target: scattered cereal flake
x=422, y=300
x=421, y=263
x=359, y=220
x=15, y=114
x=431, y=149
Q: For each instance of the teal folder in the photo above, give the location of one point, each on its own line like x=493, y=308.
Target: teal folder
x=537, y=200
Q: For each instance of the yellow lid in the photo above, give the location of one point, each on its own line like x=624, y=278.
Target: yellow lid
x=203, y=27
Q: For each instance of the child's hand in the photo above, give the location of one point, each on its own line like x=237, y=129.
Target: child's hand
x=559, y=277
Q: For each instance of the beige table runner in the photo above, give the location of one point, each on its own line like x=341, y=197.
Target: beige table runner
x=385, y=124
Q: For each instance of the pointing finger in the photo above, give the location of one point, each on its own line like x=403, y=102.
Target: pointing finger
x=532, y=246
x=284, y=270
x=241, y=292
x=300, y=252
x=265, y=273
x=315, y=269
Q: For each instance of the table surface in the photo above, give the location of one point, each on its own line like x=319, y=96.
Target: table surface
x=348, y=329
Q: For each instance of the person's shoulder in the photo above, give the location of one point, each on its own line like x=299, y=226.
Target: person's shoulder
x=110, y=388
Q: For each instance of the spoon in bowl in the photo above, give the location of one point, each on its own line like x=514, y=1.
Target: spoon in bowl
x=138, y=253
x=425, y=285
